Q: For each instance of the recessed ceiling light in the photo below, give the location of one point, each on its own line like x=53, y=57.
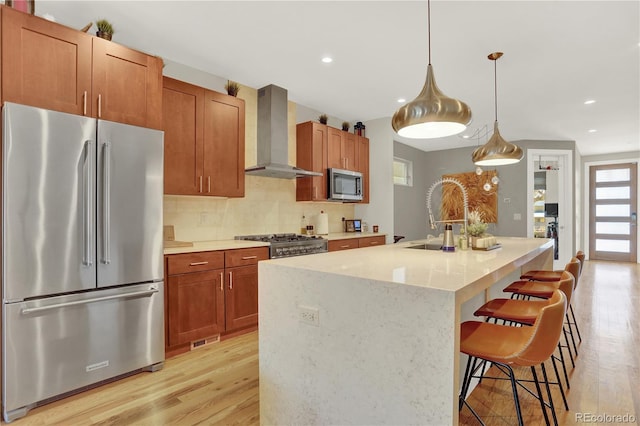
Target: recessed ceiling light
x=592, y=130
x=402, y=100
x=589, y=102
x=327, y=60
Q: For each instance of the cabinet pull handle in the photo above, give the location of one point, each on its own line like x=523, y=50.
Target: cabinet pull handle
x=315, y=192
x=198, y=263
x=208, y=184
x=373, y=243
x=99, y=106
x=200, y=184
x=249, y=257
x=345, y=246
x=230, y=280
x=84, y=103
x=221, y=281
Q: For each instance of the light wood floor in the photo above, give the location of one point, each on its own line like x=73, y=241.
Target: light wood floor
x=219, y=384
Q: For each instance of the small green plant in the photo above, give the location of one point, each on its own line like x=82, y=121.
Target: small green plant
x=345, y=126
x=104, y=26
x=476, y=226
x=323, y=118
x=232, y=88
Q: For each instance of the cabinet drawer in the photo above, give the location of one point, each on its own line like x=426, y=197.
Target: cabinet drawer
x=336, y=245
x=194, y=262
x=372, y=241
x=242, y=257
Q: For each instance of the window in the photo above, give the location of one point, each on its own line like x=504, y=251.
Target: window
x=402, y=172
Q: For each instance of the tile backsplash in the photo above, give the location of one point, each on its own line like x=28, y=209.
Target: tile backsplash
x=269, y=206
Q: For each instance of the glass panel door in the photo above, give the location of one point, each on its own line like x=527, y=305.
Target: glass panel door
x=613, y=210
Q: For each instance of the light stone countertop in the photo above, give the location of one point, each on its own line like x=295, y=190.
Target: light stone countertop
x=237, y=244
x=215, y=245
x=450, y=271
x=347, y=235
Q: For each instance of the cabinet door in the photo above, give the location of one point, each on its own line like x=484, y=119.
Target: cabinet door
x=195, y=306
x=127, y=85
x=45, y=64
x=182, y=118
x=311, y=154
x=223, y=145
x=363, y=166
x=349, y=149
x=334, y=149
x=241, y=297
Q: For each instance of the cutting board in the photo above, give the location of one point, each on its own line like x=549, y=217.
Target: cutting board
x=169, y=237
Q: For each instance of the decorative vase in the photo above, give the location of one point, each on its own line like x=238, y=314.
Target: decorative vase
x=106, y=36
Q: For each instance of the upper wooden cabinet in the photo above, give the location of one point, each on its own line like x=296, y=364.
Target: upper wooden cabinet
x=342, y=149
x=319, y=147
x=45, y=64
x=224, y=144
x=204, y=141
x=311, y=154
x=48, y=65
x=127, y=85
x=183, y=115
x=363, y=165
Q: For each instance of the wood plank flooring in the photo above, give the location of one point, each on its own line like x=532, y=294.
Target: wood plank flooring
x=218, y=384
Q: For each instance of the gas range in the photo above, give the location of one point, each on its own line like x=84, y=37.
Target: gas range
x=287, y=245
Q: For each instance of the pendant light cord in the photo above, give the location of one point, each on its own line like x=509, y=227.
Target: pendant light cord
x=429, y=28
x=495, y=86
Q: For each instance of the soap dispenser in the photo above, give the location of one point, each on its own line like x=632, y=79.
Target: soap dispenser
x=448, y=244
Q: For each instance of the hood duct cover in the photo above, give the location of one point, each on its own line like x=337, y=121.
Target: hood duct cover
x=273, y=137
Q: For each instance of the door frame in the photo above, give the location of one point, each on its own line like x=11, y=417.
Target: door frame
x=566, y=184
x=585, y=203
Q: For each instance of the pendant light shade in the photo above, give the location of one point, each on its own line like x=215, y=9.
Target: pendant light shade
x=497, y=151
x=432, y=114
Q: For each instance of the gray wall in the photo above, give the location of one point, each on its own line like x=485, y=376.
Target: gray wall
x=513, y=185
x=409, y=208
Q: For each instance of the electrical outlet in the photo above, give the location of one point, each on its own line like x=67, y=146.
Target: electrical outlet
x=517, y=216
x=309, y=315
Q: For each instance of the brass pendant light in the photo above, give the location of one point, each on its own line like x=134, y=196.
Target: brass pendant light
x=432, y=114
x=497, y=151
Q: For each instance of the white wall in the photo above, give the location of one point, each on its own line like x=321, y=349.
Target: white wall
x=379, y=211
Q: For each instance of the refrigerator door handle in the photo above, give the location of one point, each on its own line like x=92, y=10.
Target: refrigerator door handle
x=86, y=211
x=144, y=293
x=106, y=203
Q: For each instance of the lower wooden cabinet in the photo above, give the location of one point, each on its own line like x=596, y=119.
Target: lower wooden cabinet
x=196, y=306
x=372, y=241
x=346, y=244
x=209, y=294
x=352, y=243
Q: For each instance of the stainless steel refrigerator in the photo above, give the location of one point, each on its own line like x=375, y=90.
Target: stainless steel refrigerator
x=82, y=271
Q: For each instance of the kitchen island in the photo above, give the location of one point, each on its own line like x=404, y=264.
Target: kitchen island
x=371, y=336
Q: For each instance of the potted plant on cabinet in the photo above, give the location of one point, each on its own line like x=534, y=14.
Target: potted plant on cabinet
x=323, y=119
x=105, y=29
x=232, y=88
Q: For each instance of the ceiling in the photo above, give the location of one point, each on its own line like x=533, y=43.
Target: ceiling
x=557, y=54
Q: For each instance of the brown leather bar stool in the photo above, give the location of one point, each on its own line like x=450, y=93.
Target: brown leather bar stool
x=542, y=275
x=525, y=312
x=508, y=347
x=544, y=289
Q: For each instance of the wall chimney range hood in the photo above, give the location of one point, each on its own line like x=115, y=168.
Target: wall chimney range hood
x=273, y=137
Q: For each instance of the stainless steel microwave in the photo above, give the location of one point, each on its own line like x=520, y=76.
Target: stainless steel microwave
x=344, y=185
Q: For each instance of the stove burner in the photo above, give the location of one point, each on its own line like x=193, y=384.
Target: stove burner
x=286, y=245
